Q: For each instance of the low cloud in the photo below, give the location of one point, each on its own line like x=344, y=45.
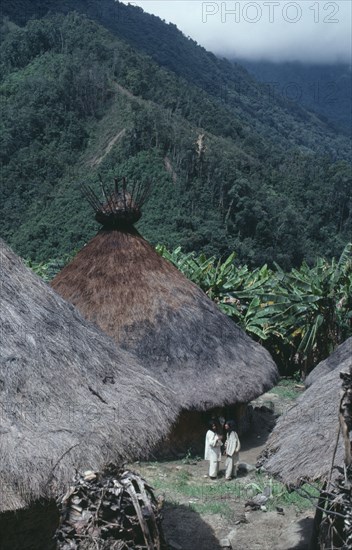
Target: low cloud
x=314, y=31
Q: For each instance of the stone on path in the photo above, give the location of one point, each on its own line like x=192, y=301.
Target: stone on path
x=244, y=467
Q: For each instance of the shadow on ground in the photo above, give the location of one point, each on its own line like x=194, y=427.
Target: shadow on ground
x=299, y=534
x=187, y=529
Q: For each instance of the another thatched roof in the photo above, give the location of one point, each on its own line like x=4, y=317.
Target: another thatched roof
x=68, y=397
x=302, y=443
x=336, y=360
x=149, y=307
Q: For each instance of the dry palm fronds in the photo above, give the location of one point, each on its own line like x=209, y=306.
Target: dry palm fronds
x=114, y=509
x=335, y=529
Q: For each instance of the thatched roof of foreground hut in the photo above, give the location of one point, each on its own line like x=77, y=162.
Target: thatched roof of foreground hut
x=68, y=397
x=149, y=307
x=336, y=360
x=302, y=443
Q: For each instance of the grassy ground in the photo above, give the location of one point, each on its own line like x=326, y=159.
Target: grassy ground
x=287, y=389
x=180, y=483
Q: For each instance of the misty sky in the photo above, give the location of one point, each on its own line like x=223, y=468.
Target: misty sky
x=277, y=30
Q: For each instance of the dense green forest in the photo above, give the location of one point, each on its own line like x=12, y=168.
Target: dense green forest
x=109, y=90
x=325, y=89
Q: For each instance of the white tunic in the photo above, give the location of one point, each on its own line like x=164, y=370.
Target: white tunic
x=232, y=444
x=212, y=447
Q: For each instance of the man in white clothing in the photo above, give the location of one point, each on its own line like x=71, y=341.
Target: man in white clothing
x=232, y=448
x=213, y=442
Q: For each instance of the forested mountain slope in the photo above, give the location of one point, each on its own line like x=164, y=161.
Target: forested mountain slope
x=280, y=120
x=233, y=169
x=325, y=89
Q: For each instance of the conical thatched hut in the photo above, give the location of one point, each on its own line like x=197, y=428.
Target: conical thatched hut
x=342, y=354
x=68, y=399
x=303, y=442
x=119, y=281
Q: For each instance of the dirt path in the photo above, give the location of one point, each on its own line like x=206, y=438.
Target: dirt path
x=98, y=160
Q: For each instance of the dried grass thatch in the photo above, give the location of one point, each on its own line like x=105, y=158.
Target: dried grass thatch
x=68, y=397
x=302, y=444
x=336, y=360
x=149, y=307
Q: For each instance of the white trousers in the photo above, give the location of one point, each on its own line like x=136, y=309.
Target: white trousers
x=231, y=466
x=213, y=468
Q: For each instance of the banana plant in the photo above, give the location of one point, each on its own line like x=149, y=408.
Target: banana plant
x=318, y=312
x=299, y=316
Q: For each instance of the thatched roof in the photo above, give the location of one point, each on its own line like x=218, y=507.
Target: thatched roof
x=303, y=441
x=336, y=360
x=120, y=207
x=68, y=397
x=149, y=307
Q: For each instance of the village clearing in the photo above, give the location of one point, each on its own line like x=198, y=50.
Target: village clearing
x=201, y=514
